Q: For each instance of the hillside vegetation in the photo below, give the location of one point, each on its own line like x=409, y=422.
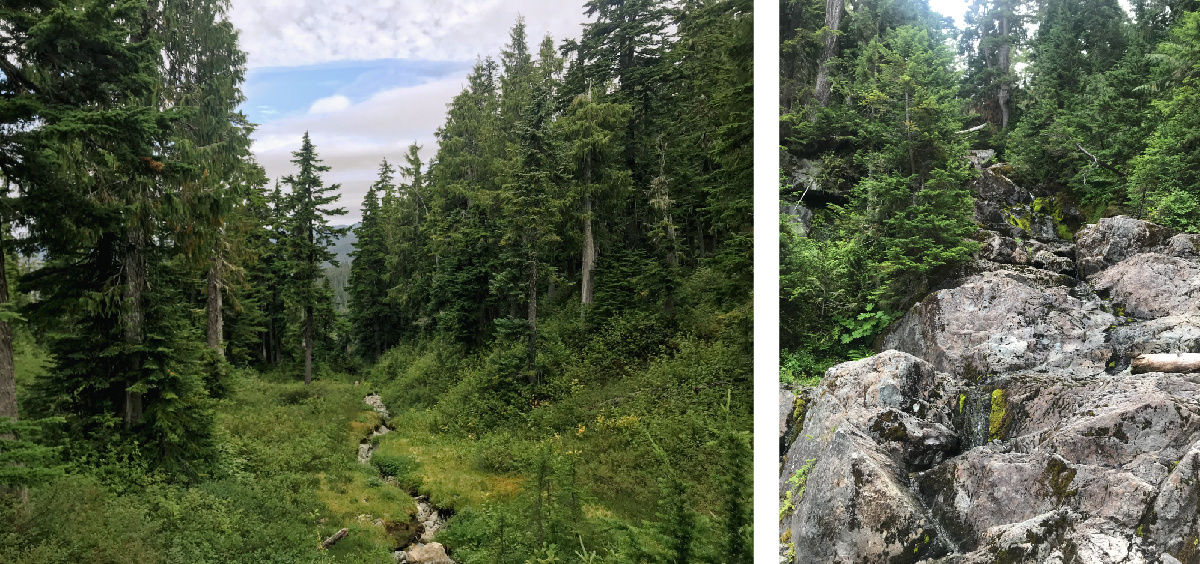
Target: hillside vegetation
x=555, y=309
x=1091, y=107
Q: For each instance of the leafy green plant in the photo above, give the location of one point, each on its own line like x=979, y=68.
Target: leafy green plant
x=401, y=467
x=798, y=481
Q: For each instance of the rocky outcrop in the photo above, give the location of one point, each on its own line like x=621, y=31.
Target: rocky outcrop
x=1151, y=285
x=1001, y=422
x=1114, y=239
x=798, y=217
x=1003, y=321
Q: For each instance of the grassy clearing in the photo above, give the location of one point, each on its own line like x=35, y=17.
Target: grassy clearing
x=445, y=464
x=315, y=430
x=621, y=442
x=286, y=478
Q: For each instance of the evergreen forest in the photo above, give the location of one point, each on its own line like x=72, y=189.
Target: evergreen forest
x=538, y=349
x=1092, y=103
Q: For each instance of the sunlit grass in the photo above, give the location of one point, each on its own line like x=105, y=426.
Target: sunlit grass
x=315, y=430
x=449, y=476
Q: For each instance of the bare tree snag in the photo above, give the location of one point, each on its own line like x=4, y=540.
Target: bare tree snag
x=8, y=381
x=334, y=539
x=134, y=315
x=216, y=331
x=1168, y=362
x=1005, y=67
x=835, y=10
x=589, y=254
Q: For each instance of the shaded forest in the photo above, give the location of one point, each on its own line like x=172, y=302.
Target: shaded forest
x=555, y=309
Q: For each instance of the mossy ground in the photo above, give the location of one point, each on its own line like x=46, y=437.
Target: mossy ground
x=445, y=464
x=997, y=420
x=286, y=477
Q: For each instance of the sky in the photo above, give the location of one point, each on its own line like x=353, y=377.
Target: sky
x=953, y=8
x=366, y=79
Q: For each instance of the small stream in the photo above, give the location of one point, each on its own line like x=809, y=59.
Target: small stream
x=429, y=519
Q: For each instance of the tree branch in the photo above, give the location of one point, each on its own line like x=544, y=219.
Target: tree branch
x=1097, y=161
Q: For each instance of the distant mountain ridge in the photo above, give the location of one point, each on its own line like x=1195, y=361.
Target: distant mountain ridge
x=343, y=246
x=339, y=276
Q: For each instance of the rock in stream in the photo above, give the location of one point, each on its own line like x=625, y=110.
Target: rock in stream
x=429, y=519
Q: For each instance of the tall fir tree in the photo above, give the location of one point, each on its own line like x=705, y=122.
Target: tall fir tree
x=406, y=214
x=309, y=237
x=994, y=30
x=464, y=217
x=595, y=132
x=531, y=206
x=102, y=199
x=369, y=310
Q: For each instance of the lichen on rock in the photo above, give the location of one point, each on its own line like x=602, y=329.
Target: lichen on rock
x=1001, y=423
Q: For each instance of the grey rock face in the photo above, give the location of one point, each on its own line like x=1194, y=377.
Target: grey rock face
x=1171, y=334
x=1184, y=245
x=1055, y=257
x=432, y=553
x=870, y=420
x=1114, y=239
x=1001, y=422
x=1005, y=321
x=787, y=403
x=1151, y=285
x=799, y=217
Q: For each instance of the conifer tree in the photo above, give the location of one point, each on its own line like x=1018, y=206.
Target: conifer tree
x=369, y=311
x=1076, y=42
x=531, y=207
x=994, y=30
x=309, y=237
x=101, y=196
x=464, y=219
x=1165, y=178
x=594, y=131
x=202, y=70
x=710, y=171
x=914, y=202
x=516, y=82
x=406, y=213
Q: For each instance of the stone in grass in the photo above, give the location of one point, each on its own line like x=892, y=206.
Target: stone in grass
x=432, y=553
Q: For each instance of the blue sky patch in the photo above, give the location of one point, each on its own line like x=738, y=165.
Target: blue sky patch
x=274, y=93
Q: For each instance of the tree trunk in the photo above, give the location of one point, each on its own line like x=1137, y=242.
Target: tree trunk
x=8, y=379
x=308, y=343
x=134, y=316
x=1005, y=51
x=835, y=10
x=1169, y=362
x=216, y=321
x=333, y=539
x=532, y=319
x=589, y=254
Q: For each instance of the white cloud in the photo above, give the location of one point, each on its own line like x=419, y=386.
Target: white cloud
x=302, y=32
x=330, y=104
x=353, y=138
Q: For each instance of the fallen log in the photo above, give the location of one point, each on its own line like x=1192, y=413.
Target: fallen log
x=336, y=537
x=1167, y=362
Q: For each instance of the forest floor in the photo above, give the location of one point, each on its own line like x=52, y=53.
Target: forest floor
x=373, y=499
x=501, y=479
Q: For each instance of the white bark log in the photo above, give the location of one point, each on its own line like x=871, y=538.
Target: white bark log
x=1169, y=362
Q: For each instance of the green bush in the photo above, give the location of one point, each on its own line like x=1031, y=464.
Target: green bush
x=401, y=467
x=500, y=452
